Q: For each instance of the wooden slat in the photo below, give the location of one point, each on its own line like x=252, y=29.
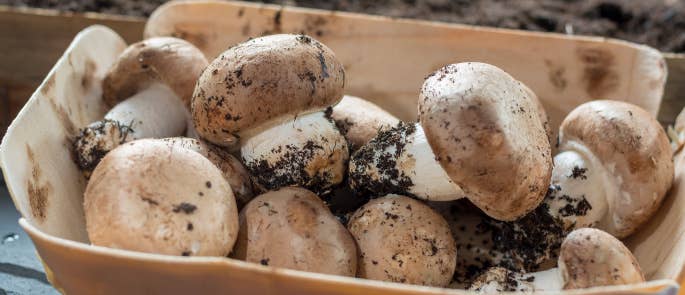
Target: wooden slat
x=674, y=95
x=31, y=41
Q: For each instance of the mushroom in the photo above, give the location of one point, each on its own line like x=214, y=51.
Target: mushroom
x=152, y=196
x=233, y=171
x=292, y=228
x=403, y=240
x=149, y=87
x=614, y=168
x=271, y=97
x=589, y=258
x=360, y=120
x=479, y=135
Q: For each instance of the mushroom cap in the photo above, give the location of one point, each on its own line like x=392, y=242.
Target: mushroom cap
x=148, y=196
x=591, y=257
x=292, y=228
x=166, y=60
x=232, y=169
x=263, y=82
x=403, y=240
x=634, y=148
x=485, y=130
x=360, y=120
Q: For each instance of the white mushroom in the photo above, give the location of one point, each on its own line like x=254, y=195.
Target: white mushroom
x=403, y=240
x=589, y=258
x=613, y=170
x=149, y=87
x=152, y=196
x=292, y=228
x=267, y=96
x=479, y=135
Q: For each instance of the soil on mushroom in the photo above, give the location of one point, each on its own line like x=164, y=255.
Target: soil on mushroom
x=658, y=23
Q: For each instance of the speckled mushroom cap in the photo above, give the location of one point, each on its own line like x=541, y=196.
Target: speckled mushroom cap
x=263, y=82
x=403, y=240
x=292, y=228
x=591, y=257
x=485, y=130
x=360, y=120
x=166, y=60
x=234, y=172
x=634, y=149
x=148, y=196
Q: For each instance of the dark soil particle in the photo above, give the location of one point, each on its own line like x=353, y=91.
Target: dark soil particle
x=527, y=242
x=290, y=169
x=377, y=155
x=657, y=23
x=93, y=142
x=184, y=207
x=578, y=173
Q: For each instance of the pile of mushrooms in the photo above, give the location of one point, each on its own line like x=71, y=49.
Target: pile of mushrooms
x=469, y=196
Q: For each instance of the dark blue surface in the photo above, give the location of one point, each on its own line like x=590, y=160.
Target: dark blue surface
x=20, y=270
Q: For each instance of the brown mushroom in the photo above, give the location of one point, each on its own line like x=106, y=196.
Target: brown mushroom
x=479, y=135
x=292, y=228
x=234, y=172
x=403, y=240
x=149, y=87
x=589, y=258
x=268, y=96
x=360, y=120
x=150, y=196
x=614, y=168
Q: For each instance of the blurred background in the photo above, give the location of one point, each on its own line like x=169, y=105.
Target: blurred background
x=34, y=33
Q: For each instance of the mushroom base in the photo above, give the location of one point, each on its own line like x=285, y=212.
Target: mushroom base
x=308, y=152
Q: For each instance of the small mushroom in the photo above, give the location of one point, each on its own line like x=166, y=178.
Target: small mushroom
x=150, y=196
x=292, y=228
x=270, y=96
x=589, y=258
x=360, y=120
x=614, y=168
x=403, y=240
x=479, y=135
x=149, y=87
x=234, y=172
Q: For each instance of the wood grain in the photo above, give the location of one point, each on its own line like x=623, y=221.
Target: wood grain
x=31, y=41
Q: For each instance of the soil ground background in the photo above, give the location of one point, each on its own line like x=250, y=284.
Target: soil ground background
x=658, y=23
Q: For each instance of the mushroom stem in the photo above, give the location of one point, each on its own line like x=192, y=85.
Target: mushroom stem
x=309, y=151
x=581, y=188
x=400, y=160
x=152, y=113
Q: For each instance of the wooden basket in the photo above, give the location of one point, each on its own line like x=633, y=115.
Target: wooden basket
x=386, y=61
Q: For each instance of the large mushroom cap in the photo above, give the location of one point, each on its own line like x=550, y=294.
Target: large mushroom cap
x=591, y=257
x=403, y=240
x=634, y=149
x=148, y=196
x=293, y=228
x=486, y=132
x=166, y=60
x=262, y=82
